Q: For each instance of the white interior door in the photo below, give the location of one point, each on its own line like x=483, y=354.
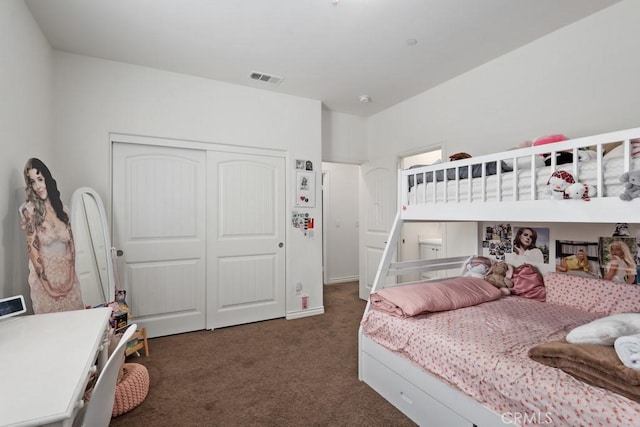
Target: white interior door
x=159, y=222
x=378, y=204
x=245, y=243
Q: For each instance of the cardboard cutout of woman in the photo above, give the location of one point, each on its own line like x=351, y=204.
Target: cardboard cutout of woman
x=52, y=273
x=524, y=245
x=622, y=266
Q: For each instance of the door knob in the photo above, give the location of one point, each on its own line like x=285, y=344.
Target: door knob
x=280, y=244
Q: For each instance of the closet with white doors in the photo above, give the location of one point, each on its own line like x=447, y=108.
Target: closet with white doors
x=202, y=227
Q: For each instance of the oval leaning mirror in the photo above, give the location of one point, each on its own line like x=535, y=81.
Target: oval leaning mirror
x=93, y=247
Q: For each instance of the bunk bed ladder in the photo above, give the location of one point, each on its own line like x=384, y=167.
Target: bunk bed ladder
x=387, y=254
x=381, y=274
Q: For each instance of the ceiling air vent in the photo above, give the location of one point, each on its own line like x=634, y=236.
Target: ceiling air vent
x=267, y=78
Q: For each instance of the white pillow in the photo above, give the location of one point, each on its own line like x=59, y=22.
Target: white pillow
x=604, y=331
x=616, y=152
x=619, y=150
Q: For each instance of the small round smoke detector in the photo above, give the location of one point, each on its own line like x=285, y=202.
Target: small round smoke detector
x=365, y=99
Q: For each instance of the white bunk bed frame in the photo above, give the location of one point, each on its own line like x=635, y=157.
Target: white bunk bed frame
x=421, y=396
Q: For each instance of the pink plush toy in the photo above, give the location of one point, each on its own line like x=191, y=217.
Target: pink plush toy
x=549, y=139
x=562, y=157
x=558, y=182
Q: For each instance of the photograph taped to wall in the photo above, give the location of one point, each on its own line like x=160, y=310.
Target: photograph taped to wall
x=619, y=259
x=578, y=258
x=515, y=244
x=305, y=189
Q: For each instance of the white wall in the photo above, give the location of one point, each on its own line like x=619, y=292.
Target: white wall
x=580, y=80
x=344, y=138
x=25, y=126
x=340, y=205
x=95, y=97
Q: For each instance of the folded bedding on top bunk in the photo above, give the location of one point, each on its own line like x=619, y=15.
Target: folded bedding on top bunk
x=483, y=351
x=491, y=168
x=449, y=294
x=587, y=172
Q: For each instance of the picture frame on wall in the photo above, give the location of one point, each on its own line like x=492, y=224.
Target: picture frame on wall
x=618, y=259
x=578, y=258
x=305, y=189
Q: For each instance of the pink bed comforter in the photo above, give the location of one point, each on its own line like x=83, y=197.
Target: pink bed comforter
x=482, y=350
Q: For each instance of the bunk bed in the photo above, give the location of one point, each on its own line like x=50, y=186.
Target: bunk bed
x=432, y=385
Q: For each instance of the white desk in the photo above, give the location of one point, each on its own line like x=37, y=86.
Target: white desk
x=45, y=360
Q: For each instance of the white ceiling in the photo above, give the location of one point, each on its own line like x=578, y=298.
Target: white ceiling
x=330, y=50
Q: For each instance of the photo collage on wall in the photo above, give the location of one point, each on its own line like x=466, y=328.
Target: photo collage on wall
x=516, y=244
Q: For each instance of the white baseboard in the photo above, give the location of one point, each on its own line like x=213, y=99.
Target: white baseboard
x=342, y=280
x=305, y=313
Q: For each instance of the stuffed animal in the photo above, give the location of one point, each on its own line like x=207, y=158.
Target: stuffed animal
x=561, y=156
x=622, y=230
x=631, y=182
x=558, y=183
x=549, y=139
x=459, y=156
x=500, y=274
x=477, y=267
x=580, y=190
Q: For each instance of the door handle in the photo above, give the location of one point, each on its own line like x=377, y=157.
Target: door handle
x=280, y=244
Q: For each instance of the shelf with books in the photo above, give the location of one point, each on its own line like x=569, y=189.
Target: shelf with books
x=138, y=342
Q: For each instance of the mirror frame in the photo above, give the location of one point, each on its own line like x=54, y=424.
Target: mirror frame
x=76, y=200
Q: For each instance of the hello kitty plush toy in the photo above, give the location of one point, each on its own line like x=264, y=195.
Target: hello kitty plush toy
x=476, y=266
x=558, y=183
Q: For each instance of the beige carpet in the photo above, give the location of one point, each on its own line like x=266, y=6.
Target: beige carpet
x=301, y=372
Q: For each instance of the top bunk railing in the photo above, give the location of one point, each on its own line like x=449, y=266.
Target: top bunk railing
x=520, y=175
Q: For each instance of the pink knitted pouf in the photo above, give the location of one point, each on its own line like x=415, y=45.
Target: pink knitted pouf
x=132, y=389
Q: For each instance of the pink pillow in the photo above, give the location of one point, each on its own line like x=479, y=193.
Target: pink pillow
x=528, y=283
x=593, y=295
x=549, y=139
x=448, y=294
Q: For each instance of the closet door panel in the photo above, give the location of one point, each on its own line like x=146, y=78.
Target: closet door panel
x=246, y=235
x=159, y=223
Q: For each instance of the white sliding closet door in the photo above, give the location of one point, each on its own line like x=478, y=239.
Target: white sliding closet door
x=245, y=241
x=378, y=203
x=159, y=221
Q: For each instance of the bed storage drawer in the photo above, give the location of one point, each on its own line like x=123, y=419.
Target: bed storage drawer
x=408, y=398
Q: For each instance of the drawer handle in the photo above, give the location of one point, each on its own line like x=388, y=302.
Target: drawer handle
x=406, y=398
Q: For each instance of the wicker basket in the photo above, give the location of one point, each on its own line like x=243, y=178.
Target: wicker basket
x=132, y=389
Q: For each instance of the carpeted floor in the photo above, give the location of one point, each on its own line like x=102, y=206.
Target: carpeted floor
x=301, y=372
